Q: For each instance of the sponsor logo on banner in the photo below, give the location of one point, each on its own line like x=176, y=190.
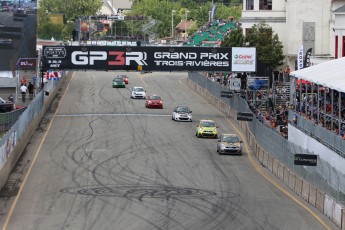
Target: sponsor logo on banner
x=243, y=59
x=300, y=58
x=235, y=84
x=191, y=59
x=119, y=58
x=27, y=63
x=55, y=52
x=138, y=58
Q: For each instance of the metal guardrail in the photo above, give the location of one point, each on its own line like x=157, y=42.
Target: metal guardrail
x=326, y=137
x=324, y=176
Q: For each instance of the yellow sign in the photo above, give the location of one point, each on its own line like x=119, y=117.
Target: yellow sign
x=140, y=67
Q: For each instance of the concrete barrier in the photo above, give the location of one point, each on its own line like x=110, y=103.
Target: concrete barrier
x=292, y=181
x=337, y=214
x=342, y=219
x=312, y=195
x=328, y=206
x=305, y=190
x=256, y=153
x=275, y=167
x=320, y=200
x=298, y=186
x=286, y=175
x=281, y=171
x=265, y=159
x=261, y=155
x=270, y=163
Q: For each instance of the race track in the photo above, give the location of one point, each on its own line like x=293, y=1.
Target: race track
x=107, y=162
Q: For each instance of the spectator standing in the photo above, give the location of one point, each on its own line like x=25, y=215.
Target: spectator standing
x=23, y=90
x=31, y=90
x=281, y=76
x=23, y=80
x=10, y=98
x=287, y=73
x=342, y=132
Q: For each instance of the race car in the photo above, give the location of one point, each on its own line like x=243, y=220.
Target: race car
x=181, y=113
x=229, y=143
x=206, y=128
x=124, y=77
x=138, y=92
x=118, y=83
x=154, y=101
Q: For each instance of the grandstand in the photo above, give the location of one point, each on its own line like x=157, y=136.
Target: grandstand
x=319, y=106
x=211, y=34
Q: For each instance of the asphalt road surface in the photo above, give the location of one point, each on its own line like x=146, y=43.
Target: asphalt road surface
x=107, y=162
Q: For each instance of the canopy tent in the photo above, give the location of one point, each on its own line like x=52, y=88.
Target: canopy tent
x=330, y=74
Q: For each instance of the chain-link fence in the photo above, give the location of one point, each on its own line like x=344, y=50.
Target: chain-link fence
x=324, y=176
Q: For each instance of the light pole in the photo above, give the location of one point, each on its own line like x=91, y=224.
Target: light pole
x=185, y=26
x=172, y=23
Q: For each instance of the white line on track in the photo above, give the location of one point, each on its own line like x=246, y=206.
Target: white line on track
x=113, y=115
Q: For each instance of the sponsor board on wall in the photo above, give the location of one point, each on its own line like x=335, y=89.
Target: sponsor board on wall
x=10, y=32
x=137, y=58
x=235, y=84
x=305, y=159
x=243, y=59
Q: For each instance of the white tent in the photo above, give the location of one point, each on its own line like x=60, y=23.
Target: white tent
x=330, y=74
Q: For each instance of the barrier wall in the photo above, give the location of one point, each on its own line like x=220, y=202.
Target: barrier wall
x=301, y=187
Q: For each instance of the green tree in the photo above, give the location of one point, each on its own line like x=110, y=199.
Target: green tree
x=269, y=49
x=234, y=39
x=72, y=9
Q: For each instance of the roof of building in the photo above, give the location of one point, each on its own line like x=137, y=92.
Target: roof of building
x=340, y=9
x=7, y=82
x=329, y=74
x=122, y=4
x=184, y=24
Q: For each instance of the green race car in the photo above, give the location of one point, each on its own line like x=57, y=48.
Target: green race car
x=207, y=128
x=118, y=83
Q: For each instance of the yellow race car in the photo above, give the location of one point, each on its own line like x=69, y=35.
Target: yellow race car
x=207, y=128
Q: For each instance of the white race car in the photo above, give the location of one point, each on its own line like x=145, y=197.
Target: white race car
x=182, y=113
x=138, y=92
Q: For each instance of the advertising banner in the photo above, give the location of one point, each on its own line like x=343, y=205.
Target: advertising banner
x=305, y=159
x=141, y=58
x=213, y=10
x=300, y=58
x=307, y=58
x=243, y=59
x=27, y=63
x=10, y=32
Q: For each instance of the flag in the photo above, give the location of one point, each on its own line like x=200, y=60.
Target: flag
x=300, y=58
x=53, y=75
x=212, y=12
x=307, y=58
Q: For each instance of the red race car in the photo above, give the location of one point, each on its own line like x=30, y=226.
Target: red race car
x=124, y=77
x=154, y=101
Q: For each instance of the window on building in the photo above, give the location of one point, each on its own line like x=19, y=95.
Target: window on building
x=249, y=4
x=265, y=5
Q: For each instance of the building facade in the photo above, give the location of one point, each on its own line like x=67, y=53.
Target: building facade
x=319, y=25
